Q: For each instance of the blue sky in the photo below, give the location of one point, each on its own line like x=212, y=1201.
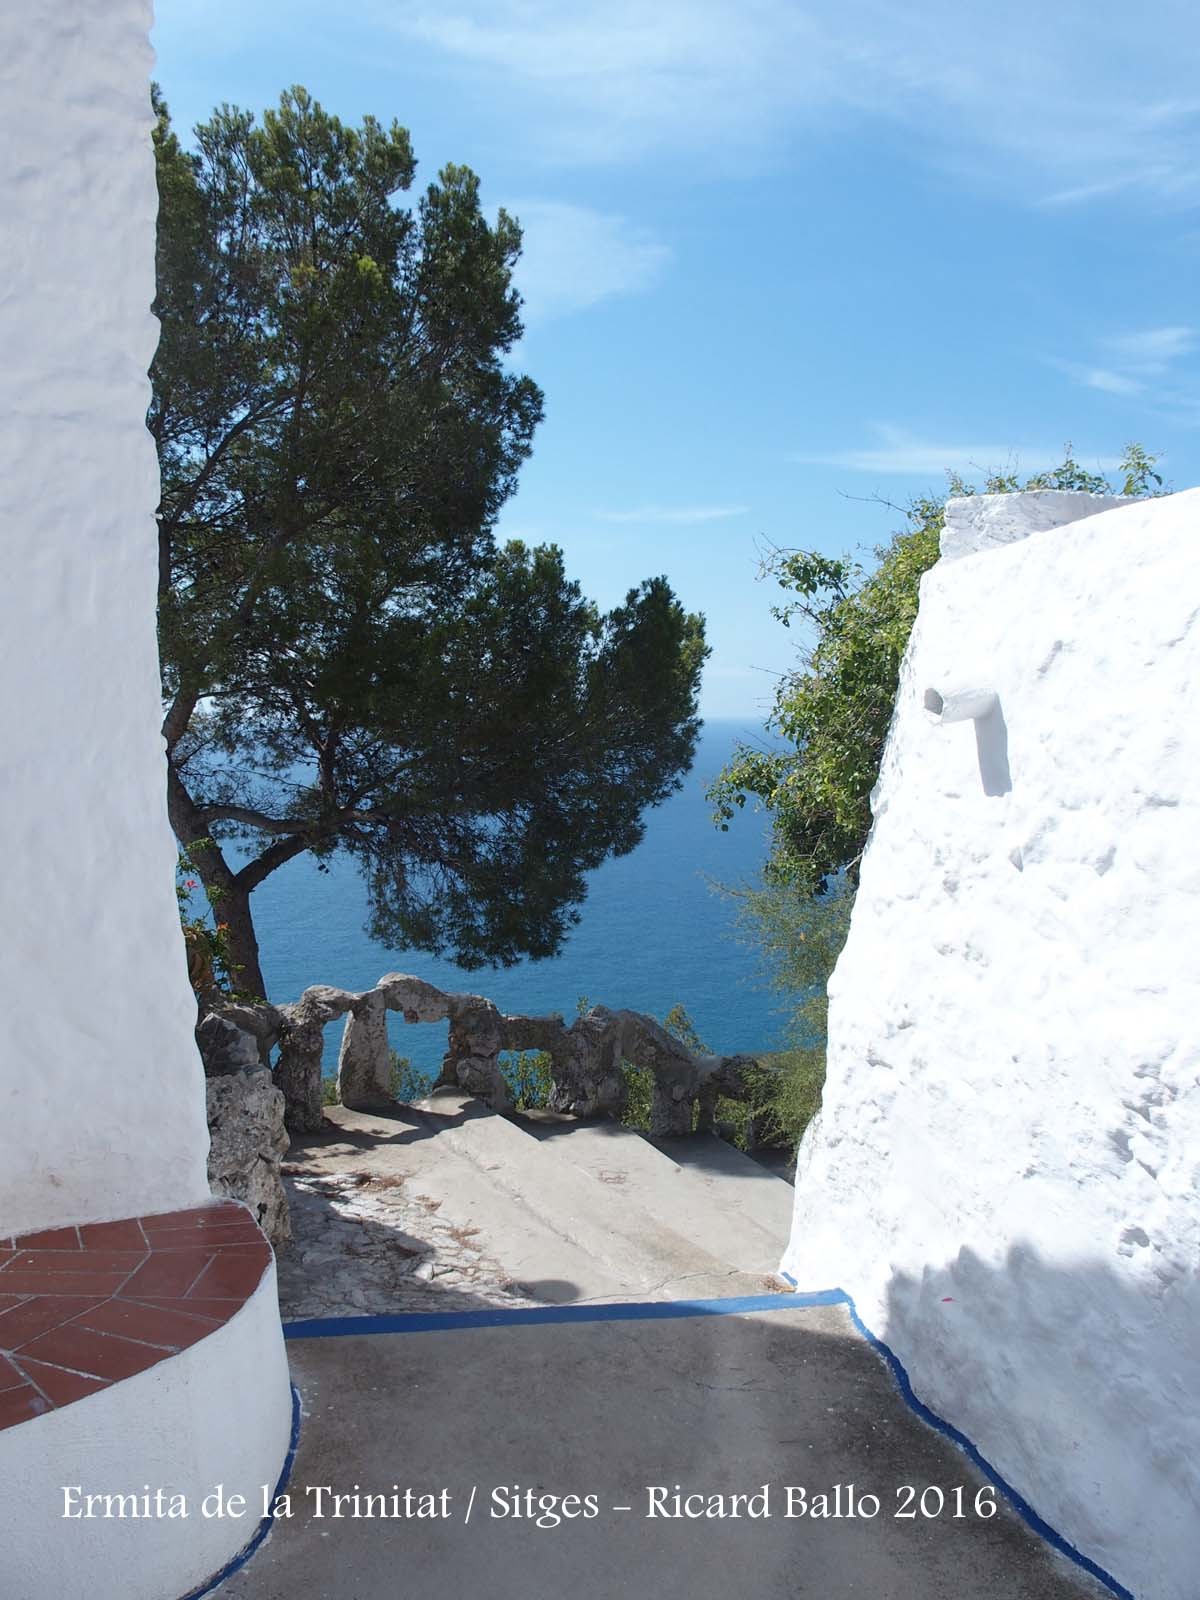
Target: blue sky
x=784, y=258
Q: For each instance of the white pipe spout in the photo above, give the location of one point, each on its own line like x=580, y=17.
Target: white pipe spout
x=954, y=704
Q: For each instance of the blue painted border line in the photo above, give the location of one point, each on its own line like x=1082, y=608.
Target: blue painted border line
x=267, y=1523
x=651, y=1310
x=1017, y=1500
x=503, y=1317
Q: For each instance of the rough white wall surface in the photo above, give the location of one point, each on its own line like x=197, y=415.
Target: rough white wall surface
x=217, y=1413
x=101, y=1090
x=1005, y=1171
x=984, y=521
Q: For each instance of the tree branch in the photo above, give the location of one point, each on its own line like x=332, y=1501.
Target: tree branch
x=253, y=873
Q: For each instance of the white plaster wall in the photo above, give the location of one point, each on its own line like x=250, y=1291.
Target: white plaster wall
x=217, y=1413
x=1004, y=1174
x=974, y=523
x=101, y=1090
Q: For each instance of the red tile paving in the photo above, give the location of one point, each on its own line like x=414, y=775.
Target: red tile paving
x=232, y=1275
x=196, y=1305
x=204, y=1238
x=113, y=1236
x=50, y=1239
x=218, y=1215
x=28, y=1318
x=84, y=1307
x=150, y=1324
x=10, y=1378
x=60, y=1387
x=167, y=1272
x=19, y=1405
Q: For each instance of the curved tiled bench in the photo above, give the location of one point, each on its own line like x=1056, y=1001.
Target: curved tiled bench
x=83, y=1308
x=144, y=1353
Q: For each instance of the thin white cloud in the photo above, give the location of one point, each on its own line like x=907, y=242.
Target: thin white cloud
x=1066, y=104
x=1102, y=378
x=682, y=516
x=1112, y=382
x=904, y=455
x=1133, y=360
x=573, y=257
x=1152, y=349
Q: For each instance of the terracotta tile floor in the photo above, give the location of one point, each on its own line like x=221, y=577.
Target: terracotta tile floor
x=81, y=1308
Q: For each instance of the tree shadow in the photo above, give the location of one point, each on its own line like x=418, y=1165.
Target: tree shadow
x=1077, y=1385
x=368, y=1242
x=706, y=1152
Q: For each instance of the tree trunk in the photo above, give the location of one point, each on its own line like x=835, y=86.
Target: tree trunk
x=229, y=899
x=233, y=908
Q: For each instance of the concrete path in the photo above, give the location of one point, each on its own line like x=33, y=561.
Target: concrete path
x=447, y=1206
x=704, y=1406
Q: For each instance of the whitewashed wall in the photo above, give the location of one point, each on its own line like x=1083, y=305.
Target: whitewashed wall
x=1005, y=1171
x=101, y=1090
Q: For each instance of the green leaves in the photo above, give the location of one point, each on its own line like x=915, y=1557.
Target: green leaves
x=350, y=662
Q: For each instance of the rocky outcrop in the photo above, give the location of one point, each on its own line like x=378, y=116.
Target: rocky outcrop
x=247, y=1137
x=248, y=1143
x=224, y=1047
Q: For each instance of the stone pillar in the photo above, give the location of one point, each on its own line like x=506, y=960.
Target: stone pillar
x=365, y=1059
x=299, y=1072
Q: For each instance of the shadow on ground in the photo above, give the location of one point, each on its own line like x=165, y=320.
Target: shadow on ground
x=367, y=1240
x=750, y=1404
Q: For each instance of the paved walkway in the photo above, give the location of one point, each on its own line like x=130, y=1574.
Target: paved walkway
x=454, y=1214
x=748, y=1404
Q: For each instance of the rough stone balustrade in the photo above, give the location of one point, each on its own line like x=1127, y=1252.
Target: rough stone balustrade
x=585, y=1056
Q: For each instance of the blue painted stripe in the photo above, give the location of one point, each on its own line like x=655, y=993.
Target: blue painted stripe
x=268, y=1522
x=502, y=1317
x=1017, y=1500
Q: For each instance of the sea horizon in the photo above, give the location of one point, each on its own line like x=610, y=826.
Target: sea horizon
x=656, y=931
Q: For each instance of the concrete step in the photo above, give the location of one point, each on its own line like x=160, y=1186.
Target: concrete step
x=761, y=1193
x=698, y=1187
x=405, y=1146
x=651, y=1259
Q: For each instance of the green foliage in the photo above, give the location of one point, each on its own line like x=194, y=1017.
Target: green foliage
x=1138, y=466
x=639, y=1096
x=206, y=939
x=529, y=1078
x=680, y=1026
x=350, y=661
x=407, y=1083
x=639, y=1081
x=798, y=938
x=787, y=1094
x=832, y=715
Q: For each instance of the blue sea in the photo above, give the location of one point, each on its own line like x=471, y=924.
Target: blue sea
x=655, y=931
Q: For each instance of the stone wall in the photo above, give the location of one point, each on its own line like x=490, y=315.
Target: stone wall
x=586, y=1055
x=1004, y=1171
